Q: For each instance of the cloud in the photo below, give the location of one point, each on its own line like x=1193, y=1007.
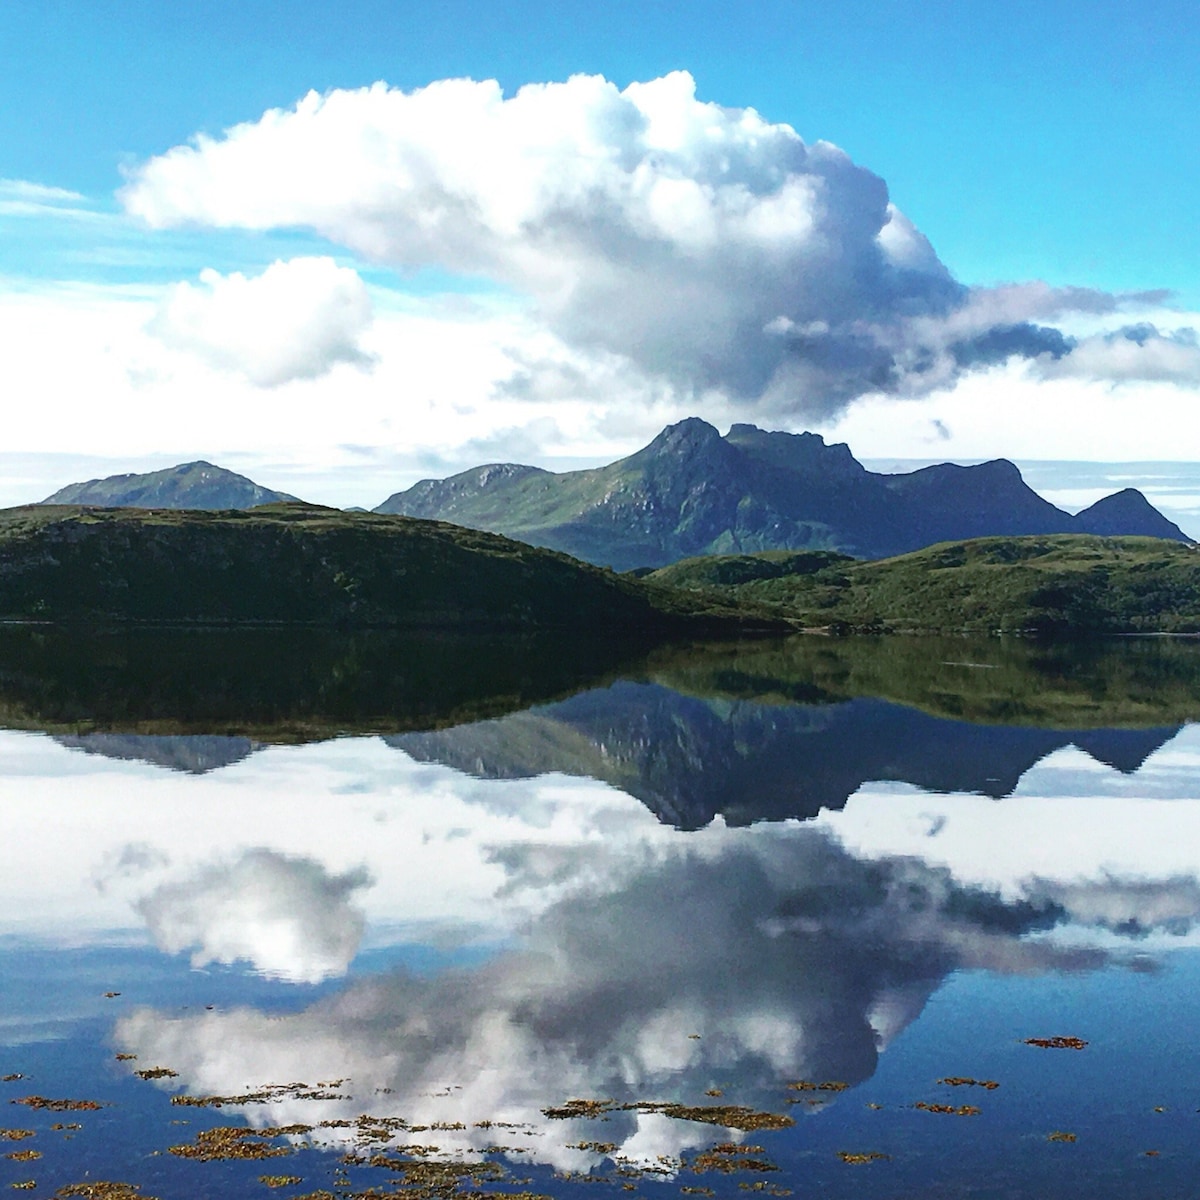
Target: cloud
x=286, y=915
x=23, y=198
x=786, y=956
x=1135, y=353
x=706, y=246
x=297, y=320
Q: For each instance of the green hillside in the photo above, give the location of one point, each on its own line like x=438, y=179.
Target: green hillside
x=300, y=564
x=1063, y=585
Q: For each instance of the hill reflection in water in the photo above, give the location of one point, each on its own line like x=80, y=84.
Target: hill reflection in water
x=751, y=731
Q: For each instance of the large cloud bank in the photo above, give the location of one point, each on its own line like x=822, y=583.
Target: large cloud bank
x=702, y=245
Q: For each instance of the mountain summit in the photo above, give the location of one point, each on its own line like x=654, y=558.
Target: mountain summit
x=692, y=492
x=189, y=485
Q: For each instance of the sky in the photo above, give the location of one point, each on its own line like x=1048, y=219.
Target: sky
x=344, y=248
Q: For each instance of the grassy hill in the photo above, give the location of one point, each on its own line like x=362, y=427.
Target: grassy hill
x=300, y=564
x=1061, y=585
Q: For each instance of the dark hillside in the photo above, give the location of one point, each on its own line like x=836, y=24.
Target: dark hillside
x=299, y=564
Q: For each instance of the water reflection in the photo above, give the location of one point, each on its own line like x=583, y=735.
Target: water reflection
x=728, y=870
x=733, y=961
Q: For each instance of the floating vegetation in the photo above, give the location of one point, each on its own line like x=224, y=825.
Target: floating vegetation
x=805, y=1085
x=965, y=1081
x=70, y=1125
x=23, y=1155
x=1059, y=1136
x=157, y=1073
x=15, y=1135
x=278, y=1181
x=1057, y=1043
x=269, y=1094
x=425, y=1178
x=730, y=1116
x=590, y=1109
x=728, y=1158
x=230, y=1142
x=26, y=1185
x=125, y=1057
x=11, y=1078
x=58, y=1105
x=963, y=1110
x=597, y=1147
x=857, y=1159
x=102, y=1190
x=111, y=995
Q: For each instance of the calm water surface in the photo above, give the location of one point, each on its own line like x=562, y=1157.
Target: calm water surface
x=288, y=915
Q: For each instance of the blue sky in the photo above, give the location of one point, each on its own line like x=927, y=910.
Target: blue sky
x=1041, y=144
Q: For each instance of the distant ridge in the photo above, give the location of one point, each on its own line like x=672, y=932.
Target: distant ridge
x=189, y=485
x=693, y=492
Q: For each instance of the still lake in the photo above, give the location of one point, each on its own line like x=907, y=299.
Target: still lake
x=286, y=914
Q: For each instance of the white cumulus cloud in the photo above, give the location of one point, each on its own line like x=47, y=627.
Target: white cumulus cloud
x=296, y=320
x=681, y=235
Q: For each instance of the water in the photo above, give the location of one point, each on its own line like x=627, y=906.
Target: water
x=369, y=913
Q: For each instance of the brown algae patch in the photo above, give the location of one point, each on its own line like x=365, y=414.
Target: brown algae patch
x=269, y=1094
x=1057, y=1043
x=1060, y=1136
x=58, y=1105
x=157, y=1073
x=729, y=1116
x=858, y=1159
x=278, y=1181
x=965, y=1081
x=102, y=1190
x=15, y=1135
x=229, y=1142
x=963, y=1110
x=730, y=1158
x=23, y=1155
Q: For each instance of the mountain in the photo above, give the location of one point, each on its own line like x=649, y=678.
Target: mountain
x=301, y=564
x=692, y=492
x=1127, y=511
x=189, y=485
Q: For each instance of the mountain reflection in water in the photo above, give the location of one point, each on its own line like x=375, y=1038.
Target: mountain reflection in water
x=700, y=876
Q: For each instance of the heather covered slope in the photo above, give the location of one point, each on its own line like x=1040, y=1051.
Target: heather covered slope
x=693, y=492
x=1063, y=585
x=189, y=485
x=296, y=563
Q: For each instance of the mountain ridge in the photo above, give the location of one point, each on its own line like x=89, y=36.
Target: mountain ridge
x=692, y=491
x=197, y=485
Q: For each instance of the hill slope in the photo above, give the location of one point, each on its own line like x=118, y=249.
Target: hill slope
x=189, y=485
x=1062, y=585
x=692, y=491
x=297, y=563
